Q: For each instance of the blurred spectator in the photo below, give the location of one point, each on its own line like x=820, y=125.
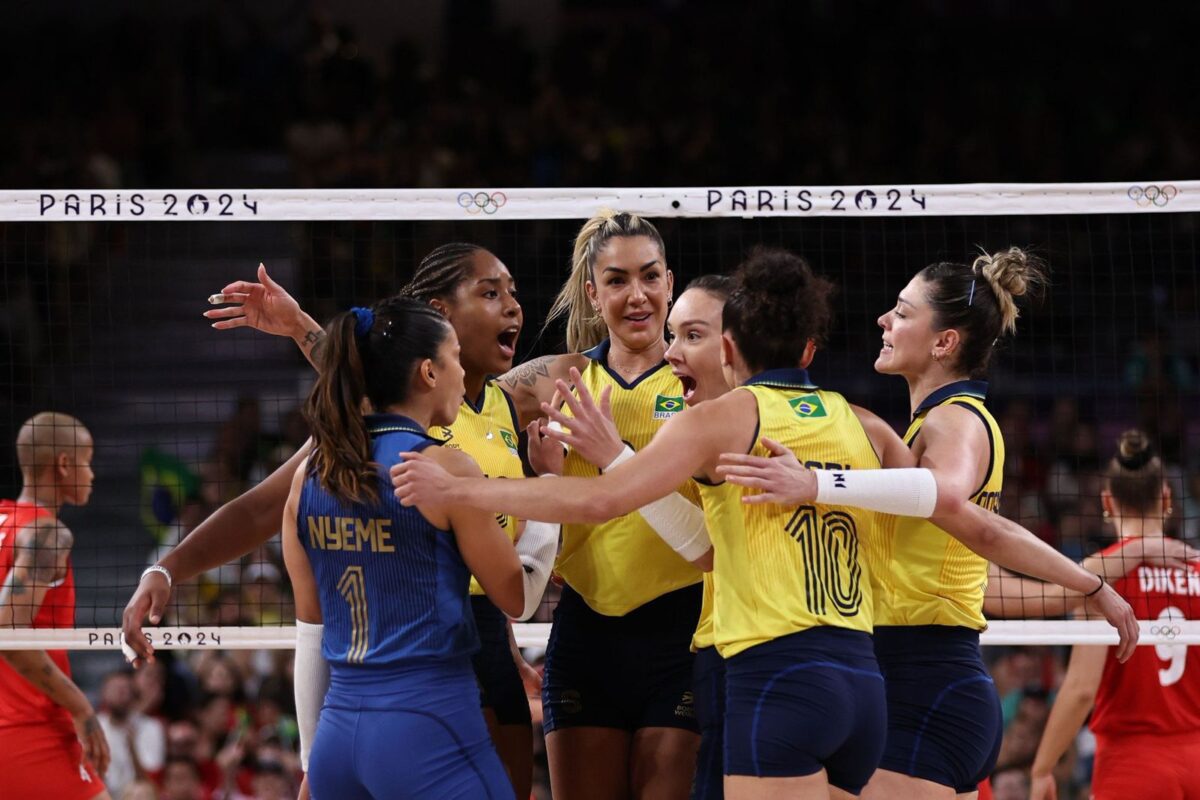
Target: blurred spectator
x=1010, y=783
x=137, y=742
x=181, y=781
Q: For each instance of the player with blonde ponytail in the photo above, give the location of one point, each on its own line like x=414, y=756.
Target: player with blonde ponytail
x=617, y=696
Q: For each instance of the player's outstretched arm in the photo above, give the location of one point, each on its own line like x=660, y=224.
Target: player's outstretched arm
x=1015, y=597
x=265, y=306
x=591, y=432
x=686, y=445
x=40, y=556
x=232, y=531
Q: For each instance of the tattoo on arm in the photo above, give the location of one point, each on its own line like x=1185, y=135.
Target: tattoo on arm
x=311, y=338
x=528, y=373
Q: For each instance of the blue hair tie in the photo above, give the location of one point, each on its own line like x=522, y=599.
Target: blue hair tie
x=366, y=319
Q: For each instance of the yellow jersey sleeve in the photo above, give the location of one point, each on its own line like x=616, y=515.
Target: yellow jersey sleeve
x=931, y=578
x=621, y=564
x=780, y=569
x=487, y=432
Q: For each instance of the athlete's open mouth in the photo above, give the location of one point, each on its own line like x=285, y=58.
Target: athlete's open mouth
x=689, y=386
x=508, y=341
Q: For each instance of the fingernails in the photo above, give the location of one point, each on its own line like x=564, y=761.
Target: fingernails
x=155, y=618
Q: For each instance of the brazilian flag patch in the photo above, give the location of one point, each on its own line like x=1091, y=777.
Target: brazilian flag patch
x=510, y=441
x=665, y=407
x=807, y=406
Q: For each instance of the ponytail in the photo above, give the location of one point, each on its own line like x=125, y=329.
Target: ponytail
x=341, y=457
x=368, y=357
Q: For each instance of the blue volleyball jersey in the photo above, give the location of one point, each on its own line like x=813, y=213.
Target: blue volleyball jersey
x=393, y=588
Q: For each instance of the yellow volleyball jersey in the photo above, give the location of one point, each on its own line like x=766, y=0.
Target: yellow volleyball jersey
x=782, y=569
x=621, y=564
x=487, y=432
x=931, y=578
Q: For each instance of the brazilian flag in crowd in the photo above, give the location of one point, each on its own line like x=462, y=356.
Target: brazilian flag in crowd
x=167, y=483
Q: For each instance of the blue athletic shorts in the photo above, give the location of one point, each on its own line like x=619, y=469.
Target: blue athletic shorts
x=405, y=733
x=628, y=672
x=808, y=701
x=944, y=719
x=708, y=685
x=500, y=687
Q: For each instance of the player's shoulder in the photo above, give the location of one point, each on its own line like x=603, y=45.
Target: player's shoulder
x=456, y=462
x=45, y=533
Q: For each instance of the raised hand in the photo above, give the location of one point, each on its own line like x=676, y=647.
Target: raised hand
x=590, y=431
x=265, y=306
x=781, y=477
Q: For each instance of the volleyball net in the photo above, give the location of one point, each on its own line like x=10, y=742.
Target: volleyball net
x=104, y=291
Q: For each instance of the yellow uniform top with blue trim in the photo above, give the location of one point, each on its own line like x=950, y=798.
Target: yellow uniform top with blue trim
x=782, y=569
x=621, y=564
x=486, y=430
x=928, y=577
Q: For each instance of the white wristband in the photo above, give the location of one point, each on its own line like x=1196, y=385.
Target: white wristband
x=623, y=456
x=160, y=569
x=910, y=492
x=536, y=550
x=311, y=684
x=680, y=524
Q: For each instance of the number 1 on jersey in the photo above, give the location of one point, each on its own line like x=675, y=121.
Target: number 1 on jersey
x=353, y=587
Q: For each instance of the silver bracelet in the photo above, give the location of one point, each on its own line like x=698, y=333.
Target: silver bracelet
x=166, y=573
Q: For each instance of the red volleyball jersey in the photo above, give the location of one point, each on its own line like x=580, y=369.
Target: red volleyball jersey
x=1157, y=691
x=21, y=703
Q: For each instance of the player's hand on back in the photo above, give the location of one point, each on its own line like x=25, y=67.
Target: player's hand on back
x=148, y=602
x=264, y=306
x=781, y=477
x=1161, y=552
x=419, y=480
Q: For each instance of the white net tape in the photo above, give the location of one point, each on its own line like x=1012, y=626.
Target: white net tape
x=913, y=200
x=1007, y=632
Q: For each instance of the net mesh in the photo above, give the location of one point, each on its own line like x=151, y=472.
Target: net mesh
x=102, y=320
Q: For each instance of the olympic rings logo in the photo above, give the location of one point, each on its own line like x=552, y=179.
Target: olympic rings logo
x=476, y=202
x=1152, y=195
x=1165, y=631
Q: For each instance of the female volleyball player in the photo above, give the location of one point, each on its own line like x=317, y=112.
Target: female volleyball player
x=616, y=696
x=1146, y=713
x=695, y=358
x=944, y=723
x=804, y=715
x=475, y=292
x=51, y=743
x=384, y=589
